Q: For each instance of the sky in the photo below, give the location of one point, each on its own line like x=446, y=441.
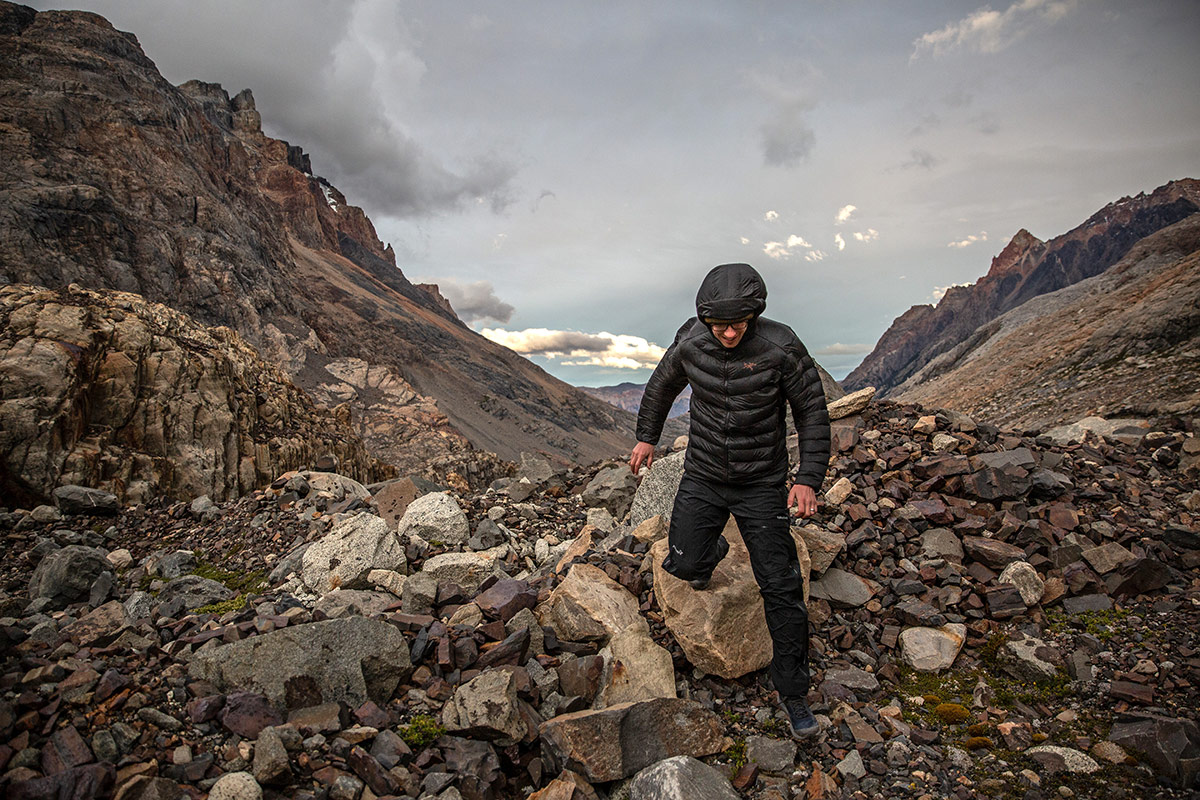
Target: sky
x=568, y=172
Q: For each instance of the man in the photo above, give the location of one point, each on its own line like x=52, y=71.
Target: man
x=745, y=371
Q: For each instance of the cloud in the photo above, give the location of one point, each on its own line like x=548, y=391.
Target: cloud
x=839, y=349
x=604, y=349
x=744, y=240
x=970, y=240
x=921, y=159
x=771, y=216
x=474, y=302
x=787, y=138
x=844, y=213
x=839, y=241
x=814, y=255
x=940, y=291
x=869, y=235
x=988, y=31
x=783, y=250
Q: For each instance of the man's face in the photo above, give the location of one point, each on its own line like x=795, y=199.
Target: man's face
x=729, y=334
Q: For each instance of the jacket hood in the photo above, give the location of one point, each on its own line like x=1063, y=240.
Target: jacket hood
x=731, y=291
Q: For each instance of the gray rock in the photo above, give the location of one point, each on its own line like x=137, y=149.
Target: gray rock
x=771, y=755
x=347, y=602
x=1062, y=759
x=172, y=565
x=66, y=576
x=656, y=492
x=193, y=591
x=853, y=678
x=612, y=488
x=1030, y=658
x=468, y=570
x=844, y=588
x=1172, y=746
x=932, y=649
x=270, y=758
x=852, y=766
x=1022, y=575
x=942, y=543
x=83, y=500
x=681, y=778
x=419, y=593
x=436, y=517
x=293, y=562
x=352, y=660
x=344, y=557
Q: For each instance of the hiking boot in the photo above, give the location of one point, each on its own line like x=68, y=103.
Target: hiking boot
x=700, y=584
x=804, y=724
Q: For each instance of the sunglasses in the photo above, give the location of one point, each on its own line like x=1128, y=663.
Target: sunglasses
x=721, y=327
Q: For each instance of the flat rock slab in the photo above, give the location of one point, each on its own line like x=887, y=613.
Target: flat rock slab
x=844, y=588
x=1063, y=759
x=721, y=629
x=1172, y=746
x=621, y=740
x=352, y=660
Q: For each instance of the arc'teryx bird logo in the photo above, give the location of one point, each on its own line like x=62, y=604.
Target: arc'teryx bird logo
x=749, y=366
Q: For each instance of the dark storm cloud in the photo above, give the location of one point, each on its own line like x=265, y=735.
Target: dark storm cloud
x=475, y=301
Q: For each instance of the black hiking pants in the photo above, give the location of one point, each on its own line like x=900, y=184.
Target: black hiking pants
x=701, y=510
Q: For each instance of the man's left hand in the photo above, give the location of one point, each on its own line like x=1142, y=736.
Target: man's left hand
x=803, y=499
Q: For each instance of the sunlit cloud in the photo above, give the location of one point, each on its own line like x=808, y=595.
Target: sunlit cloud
x=578, y=349
x=744, y=240
x=970, y=240
x=869, y=235
x=784, y=250
x=839, y=241
x=839, y=349
x=771, y=216
x=814, y=255
x=989, y=31
x=844, y=213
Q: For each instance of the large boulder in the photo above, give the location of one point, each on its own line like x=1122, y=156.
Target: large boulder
x=721, y=629
x=656, y=492
x=1171, y=745
x=436, y=517
x=611, y=488
x=83, y=500
x=467, y=570
x=66, y=575
x=345, y=556
x=350, y=660
x=588, y=606
x=621, y=740
x=932, y=649
x=193, y=591
x=486, y=707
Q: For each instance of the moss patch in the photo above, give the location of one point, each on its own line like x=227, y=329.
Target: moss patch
x=421, y=732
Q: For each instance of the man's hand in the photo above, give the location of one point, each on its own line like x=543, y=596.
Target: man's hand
x=804, y=499
x=642, y=452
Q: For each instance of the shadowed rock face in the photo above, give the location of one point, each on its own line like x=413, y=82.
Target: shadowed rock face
x=1025, y=269
x=113, y=178
x=108, y=390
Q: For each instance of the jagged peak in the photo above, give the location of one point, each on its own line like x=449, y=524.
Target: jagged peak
x=1021, y=244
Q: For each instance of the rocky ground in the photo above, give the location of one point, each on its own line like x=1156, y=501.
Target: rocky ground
x=992, y=615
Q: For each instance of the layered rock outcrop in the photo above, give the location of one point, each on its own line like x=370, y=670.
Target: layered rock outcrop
x=113, y=178
x=105, y=389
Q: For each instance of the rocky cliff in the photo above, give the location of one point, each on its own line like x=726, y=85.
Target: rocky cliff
x=1026, y=268
x=113, y=178
x=1123, y=343
x=107, y=390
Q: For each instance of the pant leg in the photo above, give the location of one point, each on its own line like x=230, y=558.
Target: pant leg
x=697, y=519
x=762, y=517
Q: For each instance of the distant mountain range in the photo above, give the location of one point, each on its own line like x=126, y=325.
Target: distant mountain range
x=629, y=397
x=112, y=178
x=1102, y=319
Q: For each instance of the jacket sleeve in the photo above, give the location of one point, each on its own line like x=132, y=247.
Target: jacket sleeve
x=805, y=395
x=663, y=387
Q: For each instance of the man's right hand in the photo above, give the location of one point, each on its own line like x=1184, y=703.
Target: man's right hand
x=643, y=452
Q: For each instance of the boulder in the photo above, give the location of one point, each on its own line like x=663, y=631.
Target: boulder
x=851, y=404
x=612, y=488
x=823, y=547
x=681, y=778
x=66, y=575
x=1171, y=746
x=721, y=629
x=656, y=492
x=83, y=500
x=992, y=552
x=486, y=707
x=932, y=649
x=1126, y=429
x=436, y=517
x=621, y=740
x=942, y=543
x=1062, y=759
x=393, y=498
x=351, y=602
x=635, y=668
x=193, y=591
x=345, y=557
x=467, y=570
x=588, y=606
x=352, y=660
x=235, y=786
x=1029, y=658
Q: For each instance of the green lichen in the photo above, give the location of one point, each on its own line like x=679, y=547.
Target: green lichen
x=247, y=582
x=421, y=732
x=235, y=603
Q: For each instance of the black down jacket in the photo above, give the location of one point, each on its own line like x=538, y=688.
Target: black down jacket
x=740, y=395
